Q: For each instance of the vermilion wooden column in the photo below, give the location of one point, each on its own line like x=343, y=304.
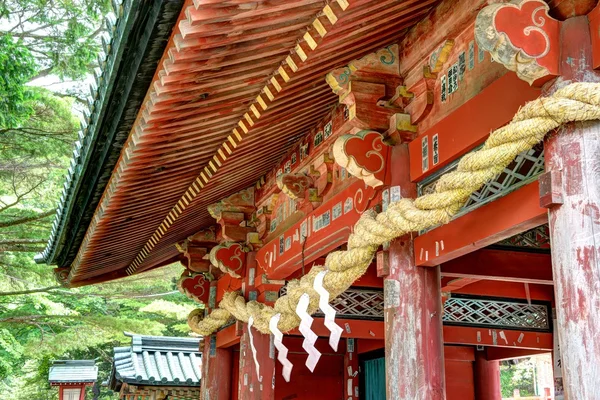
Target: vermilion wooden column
x=216, y=363
x=573, y=162
x=414, y=351
x=253, y=385
x=487, y=378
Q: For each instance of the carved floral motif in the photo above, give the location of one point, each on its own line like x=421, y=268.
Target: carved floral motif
x=195, y=286
x=522, y=36
x=364, y=155
x=229, y=258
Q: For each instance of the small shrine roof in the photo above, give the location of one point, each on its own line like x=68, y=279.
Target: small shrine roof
x=157, y=360
x=73, y=371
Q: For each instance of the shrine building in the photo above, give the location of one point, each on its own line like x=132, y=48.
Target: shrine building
x=372, y=199
x=72, y=377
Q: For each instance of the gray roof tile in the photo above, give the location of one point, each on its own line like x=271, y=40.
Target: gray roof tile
x=158, y=360
x=73, y=371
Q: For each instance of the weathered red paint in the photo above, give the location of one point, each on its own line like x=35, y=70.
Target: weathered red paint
x=253, y=385
x=487, y=378
x=216, y=376
x=325, y=383
x=228, y=337
x=353, y=328
x=514, y=290
x=507, y=353
x=491, y=108
x=350, y=382
x=501, y=265
x=575, y=226
x=594, y=17
x=466, y=335
x=460, y=379
x=467, y=233
x=413, y=313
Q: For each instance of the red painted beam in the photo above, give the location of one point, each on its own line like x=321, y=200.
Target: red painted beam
x=228, y=337
x=471, y=123
x=507, y=353
x=594, y=17
x=459, y=353
x=514, y=290
x=353, y=328
x=493, y=337
x=514, y=213
x=501, y=265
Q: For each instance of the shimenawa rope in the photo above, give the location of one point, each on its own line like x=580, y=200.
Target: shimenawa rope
x=575, y=102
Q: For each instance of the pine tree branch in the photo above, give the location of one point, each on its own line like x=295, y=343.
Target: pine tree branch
x=12, y=242
x=20, y=221
x=29, y=291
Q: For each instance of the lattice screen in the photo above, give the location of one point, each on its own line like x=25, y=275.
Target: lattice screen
x=494, y=313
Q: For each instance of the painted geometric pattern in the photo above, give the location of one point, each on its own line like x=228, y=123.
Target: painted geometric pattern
x=354, y=303
x=536, y=238
x=369, y=304
x=493, y=313
x=526, y=167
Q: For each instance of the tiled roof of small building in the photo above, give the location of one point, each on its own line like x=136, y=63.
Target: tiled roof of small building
x=73, y=371
x=158, y=360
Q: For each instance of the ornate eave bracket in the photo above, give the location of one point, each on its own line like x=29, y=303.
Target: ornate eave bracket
x=364, y=155
x=62, y=276
x=299, y=187
x=230, y=258
x=195, y=249
x=523, y=37
x=232, y=213
x=371, y=88
x=194, y=286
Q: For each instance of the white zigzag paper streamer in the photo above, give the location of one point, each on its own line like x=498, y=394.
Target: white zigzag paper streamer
x=282, y=351
x=309, y=336
x=250, y=322
x=335, y=329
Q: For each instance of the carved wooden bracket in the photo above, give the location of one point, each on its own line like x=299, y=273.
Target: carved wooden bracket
x=230, y=258
x=523, y=37
x=195, y=286
x=62, y=275
x=368, y=87
x=262, y=217
x=364, y=155
x=195, y=249
x=322, y=172
x=232, y=213
x=422, y=102
x=298, y=187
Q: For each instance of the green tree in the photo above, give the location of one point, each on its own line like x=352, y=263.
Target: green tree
x=62, y=35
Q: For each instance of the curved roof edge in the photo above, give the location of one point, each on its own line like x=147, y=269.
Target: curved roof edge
x=139, y=33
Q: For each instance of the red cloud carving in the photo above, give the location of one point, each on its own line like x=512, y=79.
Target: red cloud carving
x=195, y=287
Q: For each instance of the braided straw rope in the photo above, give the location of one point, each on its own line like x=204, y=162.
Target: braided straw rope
x=575, y=102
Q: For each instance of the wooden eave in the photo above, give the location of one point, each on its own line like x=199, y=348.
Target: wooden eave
x=203, y=132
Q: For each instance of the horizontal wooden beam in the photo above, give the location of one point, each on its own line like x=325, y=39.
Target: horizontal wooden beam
x=514, y=213
x=501, y=265
x=506, y=353
x=353, y=328
x=513, y=290
x=469, y=125
x=497, y=337
x=228, y=337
